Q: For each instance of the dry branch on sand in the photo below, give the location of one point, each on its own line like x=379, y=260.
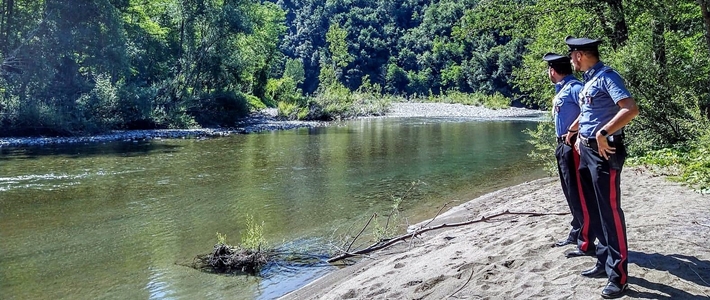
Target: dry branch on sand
x=388, y=242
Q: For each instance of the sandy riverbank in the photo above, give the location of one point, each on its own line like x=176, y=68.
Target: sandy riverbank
x=512, y=258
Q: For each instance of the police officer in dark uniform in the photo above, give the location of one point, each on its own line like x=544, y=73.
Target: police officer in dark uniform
x=565, y=111
x=606, y=107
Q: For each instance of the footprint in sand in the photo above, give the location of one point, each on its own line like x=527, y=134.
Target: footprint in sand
x=411, y=283
x=395, y=295
x=429, y=284
x=376, y=286
x=350, y=294
x=545, y=266
x=376, y=293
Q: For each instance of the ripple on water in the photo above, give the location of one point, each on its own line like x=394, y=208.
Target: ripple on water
x=157, y=288
x=51, y=181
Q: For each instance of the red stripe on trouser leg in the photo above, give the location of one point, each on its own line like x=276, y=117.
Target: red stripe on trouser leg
x=585, y=212
x=621, y=238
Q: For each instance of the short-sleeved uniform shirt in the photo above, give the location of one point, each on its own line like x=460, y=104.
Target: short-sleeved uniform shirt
x=603, y=89
x=566, y=103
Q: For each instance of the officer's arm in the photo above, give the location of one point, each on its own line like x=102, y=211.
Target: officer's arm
x=629, y=110
x=574, y=127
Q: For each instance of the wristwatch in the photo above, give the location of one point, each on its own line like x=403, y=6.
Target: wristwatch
x=604, y=133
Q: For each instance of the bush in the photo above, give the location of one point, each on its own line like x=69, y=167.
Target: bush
x=283, y=90
x=254, y=103
x=496, y=101
x=137, y=104
x=338, y=102
x=331, y=103
x=99, y=110
x=291, y=111
x=253, y=238
x=689, y=163
x=221, y=108
x=673, y=93
x=40, y=118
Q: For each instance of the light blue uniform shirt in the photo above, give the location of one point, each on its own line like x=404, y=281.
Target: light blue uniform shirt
x=566, y=103
x=603, y=89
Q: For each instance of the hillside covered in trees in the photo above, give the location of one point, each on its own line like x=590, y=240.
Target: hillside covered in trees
x=78, y=67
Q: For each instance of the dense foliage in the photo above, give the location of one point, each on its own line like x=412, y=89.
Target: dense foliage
x=81, y=67
x=86, y=66
x=661, y=48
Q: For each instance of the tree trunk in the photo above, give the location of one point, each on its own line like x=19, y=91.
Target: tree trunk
x=659, y=43
x=621, y=30
x=7, y=11
x=705, y=9
x=599, y=10
x=613, y=21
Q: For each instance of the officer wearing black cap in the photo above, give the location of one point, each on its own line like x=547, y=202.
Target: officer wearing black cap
x=565, y=111
x=606, y=107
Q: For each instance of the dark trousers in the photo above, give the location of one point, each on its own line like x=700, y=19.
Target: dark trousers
x=601, y=177
x=567, y=167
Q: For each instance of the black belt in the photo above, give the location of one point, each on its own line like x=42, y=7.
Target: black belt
x=592, y=142
x=560, y=139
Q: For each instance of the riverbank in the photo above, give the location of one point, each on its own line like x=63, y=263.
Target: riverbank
x=511, y=257
x=266, y=121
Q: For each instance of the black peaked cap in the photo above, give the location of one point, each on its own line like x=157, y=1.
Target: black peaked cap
x=582, y=44
x=555, y=59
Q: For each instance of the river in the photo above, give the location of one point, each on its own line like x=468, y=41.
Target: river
x=124, y=220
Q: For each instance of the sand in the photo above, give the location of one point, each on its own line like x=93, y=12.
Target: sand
x=512, y=257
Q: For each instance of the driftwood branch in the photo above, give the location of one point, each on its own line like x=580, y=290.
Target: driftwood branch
x=361, y=231
x=389, y=242
x=427, y=223
x=464, y=284
x=438, y=213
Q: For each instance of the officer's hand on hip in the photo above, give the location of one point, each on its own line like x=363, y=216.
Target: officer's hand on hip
x=603, y=146
x=576, y=146
x=568, y=138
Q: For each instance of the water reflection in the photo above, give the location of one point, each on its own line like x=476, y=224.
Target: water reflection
x=125, y=220
x=158, y=289
x=82, y=151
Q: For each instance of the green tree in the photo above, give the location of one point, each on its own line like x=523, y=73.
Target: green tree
x=294, y=70
x=338, y=56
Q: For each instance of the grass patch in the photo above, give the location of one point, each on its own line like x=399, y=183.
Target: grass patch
x=688, y=165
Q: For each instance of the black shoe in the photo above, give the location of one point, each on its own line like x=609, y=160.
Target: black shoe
x=564, y=243
x=597, y=272
x=613, y=290
x=578, y=253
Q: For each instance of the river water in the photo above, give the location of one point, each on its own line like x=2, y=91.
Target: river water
x=125, y=220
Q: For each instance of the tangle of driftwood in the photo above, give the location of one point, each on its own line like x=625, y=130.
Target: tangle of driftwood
x=389, y=242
